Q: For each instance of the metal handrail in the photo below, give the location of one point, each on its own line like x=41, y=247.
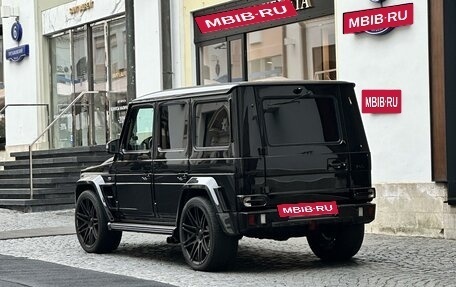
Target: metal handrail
x=78, y=98
x=28, y=105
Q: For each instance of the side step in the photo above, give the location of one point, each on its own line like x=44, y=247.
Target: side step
x=157, y=229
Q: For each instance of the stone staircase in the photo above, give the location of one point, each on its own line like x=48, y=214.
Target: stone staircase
x=55, y=173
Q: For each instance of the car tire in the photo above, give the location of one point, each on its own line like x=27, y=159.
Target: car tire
x=336, y=243
x=92, y=225
x=204, y=244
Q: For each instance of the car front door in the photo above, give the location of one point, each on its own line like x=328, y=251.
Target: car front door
x=133, y=165
x=171, y=162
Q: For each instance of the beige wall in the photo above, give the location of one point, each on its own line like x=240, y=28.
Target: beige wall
x=189, y=72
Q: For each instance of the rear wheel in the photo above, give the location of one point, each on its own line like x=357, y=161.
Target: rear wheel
x=204, y=244
x=92, y=225
x=337, y=243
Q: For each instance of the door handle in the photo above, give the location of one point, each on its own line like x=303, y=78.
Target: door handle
x=182, y=176
x=336, y=164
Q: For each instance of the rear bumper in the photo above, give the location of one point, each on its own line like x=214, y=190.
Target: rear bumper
x=269, y=219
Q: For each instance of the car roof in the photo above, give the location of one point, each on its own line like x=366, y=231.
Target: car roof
x=218, y=89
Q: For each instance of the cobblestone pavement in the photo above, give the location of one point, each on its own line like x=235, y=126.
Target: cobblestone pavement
x=383, y=261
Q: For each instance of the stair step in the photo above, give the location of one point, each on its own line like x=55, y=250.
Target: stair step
x=61, y=152
x=59, y=161
x=37, y=182
x=24, y=193
x=58, y=171
x=55, y=173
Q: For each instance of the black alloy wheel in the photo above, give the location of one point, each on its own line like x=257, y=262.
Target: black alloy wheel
x=87, y=222
x=196, y=234
x=204, y=244
x=336, y=243
x=92, y=225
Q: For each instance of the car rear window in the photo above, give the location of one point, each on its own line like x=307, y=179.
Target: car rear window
x=296, y=120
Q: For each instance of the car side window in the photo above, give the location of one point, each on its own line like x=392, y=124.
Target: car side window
x=173, y=126
x=212, y=123
x=140, y=132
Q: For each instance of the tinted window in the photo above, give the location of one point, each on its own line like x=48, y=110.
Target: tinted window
x=300, y=121
x=212, y=124
x=140, y=130
x=173, y=126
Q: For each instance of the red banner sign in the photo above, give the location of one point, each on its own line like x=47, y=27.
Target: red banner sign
x=246, y=16
x=382, y=101
x=308, y=209
x=379, y=18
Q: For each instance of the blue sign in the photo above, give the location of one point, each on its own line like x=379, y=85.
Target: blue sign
x=16, y=31
x=17, y=54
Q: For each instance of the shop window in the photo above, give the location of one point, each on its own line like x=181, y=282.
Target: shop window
x=77, y=67
x=213, y=64
x=237, y=60
x=303, y=50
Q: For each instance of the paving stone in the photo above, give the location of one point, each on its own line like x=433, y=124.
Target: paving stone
x=382, y=261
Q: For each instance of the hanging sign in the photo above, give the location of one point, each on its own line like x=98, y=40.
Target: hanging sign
x=381, y=101
x=246, y=16
x=378, y=19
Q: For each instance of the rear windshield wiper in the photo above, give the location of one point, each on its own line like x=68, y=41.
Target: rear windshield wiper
x=307, y=93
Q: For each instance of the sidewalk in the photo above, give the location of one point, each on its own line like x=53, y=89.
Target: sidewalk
x=14, y=224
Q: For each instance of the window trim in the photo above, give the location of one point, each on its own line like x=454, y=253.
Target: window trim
x=127, y=125
x=170, y=103
x=197, y=148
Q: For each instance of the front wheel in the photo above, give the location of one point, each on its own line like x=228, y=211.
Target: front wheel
x=204, y=244
x=336, y=243
x=92, y=225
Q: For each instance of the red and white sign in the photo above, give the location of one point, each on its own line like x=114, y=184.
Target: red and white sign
x=308, y=209
x=379, y=18
x=246, y=16
x=382, y=101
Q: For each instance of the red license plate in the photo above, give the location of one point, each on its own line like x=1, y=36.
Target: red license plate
x=308, y=209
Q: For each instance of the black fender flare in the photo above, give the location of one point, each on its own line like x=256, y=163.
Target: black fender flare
x=209, y=186
x=95, y=181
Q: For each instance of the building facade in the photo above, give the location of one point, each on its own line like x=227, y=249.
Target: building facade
x=75, y=47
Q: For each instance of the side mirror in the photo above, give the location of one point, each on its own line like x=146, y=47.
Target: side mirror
x=112, y=147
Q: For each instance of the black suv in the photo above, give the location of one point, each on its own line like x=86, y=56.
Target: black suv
x=210, y=164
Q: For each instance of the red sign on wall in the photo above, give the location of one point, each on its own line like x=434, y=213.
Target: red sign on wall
x=379, y=18
x=246, y=16
x=382, y=101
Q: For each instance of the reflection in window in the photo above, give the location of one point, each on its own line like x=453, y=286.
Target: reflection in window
x=237, y=66
x=140, y=132
x=265, y=54
x=212, y=124
x=173, y=126
x=213, y=66
x=301, y=51
x=300, y=121
x=118, y=54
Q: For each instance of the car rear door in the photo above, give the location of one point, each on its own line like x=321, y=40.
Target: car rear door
x=306, y=152
x=171, y=165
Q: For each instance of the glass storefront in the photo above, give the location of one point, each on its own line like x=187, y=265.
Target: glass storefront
x=304, y=50
x=89, y=58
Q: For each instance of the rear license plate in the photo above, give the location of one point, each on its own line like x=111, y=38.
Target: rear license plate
x=308, y=209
